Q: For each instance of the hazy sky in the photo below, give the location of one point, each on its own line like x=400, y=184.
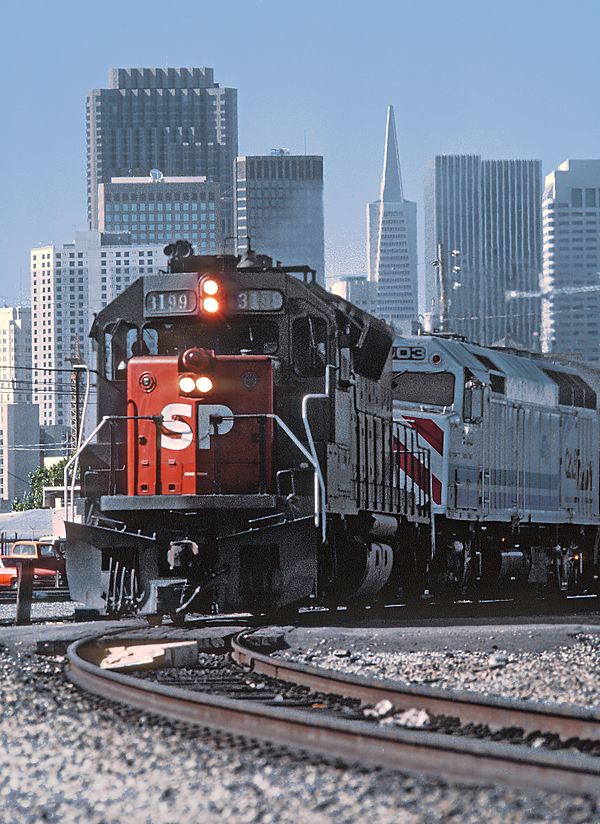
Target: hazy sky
x=503, y=79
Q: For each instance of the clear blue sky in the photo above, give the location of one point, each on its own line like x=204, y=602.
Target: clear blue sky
x=503, y=79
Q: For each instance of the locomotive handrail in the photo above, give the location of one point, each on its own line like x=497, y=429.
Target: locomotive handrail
x=319, y=513
x=69, y=494
x=319, y=482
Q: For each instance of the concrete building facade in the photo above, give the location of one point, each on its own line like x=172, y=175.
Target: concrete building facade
x=19, y=419
x=69, y=283
x=488, y=213
x=177, y=120
x=279, y=205
x=159, y=210
x=392, y=242
x=571, y=274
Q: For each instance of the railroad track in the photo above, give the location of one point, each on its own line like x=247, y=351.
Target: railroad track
x=322, y=712
x=46, y=595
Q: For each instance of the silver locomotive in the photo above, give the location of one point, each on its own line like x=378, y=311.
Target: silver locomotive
x=514, y=446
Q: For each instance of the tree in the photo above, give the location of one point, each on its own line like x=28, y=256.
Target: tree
x=38, y=479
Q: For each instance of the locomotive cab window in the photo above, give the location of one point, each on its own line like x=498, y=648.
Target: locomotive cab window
x=250, y=335
x=309, y=346
x=119, y=345
x=431, y=388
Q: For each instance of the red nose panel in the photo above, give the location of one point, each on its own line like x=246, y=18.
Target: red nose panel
x=203, y=445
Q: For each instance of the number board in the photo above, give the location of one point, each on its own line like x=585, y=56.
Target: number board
x=256, y=300
x=170, y=302
x=408, y=353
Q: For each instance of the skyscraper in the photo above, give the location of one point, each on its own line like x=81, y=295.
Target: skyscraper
x=19, y=424
x=69, y=283
x=486, y=212
x=279, y=205
x=392, y=241
x=571, y=275
x=158, y=209
x=177, y=120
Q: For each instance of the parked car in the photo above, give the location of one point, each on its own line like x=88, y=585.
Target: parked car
x=47, y=553
x=8, y=576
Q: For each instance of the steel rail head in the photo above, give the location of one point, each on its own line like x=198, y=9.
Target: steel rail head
x=452, y=757
x=564, y=719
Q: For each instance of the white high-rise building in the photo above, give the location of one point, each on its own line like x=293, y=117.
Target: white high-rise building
x=571, y=274
x=392, y=242
x=484, y=216
x=69, y=284
x=19, y=425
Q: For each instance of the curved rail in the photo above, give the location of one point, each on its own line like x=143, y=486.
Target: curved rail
x=471, y=707
x=452, y=757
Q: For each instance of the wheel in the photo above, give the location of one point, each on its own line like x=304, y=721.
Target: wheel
x=13, y=583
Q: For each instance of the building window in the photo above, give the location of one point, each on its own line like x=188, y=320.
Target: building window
x=576, y=198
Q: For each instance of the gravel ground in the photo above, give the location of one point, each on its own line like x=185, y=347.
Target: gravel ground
x=565, y=674
x=40, y=611
x=69, y=757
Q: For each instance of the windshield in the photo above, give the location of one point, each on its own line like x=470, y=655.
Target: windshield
x=256, y=336
x=251, y=336
x=432, y=388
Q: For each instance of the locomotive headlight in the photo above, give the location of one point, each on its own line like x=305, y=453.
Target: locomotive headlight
x=210, y=305
x=210, y=287
x=204, y=384
x=187, y=384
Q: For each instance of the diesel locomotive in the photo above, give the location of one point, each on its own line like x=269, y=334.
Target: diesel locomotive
x=514, y=445
x=262, y=444
x=245, y=456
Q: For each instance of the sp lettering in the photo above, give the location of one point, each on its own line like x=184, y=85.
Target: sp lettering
x=177, y=433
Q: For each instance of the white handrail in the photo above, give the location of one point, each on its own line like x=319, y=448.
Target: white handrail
x=319, y=521
x=319, y=482
x=69, y=495
x=73, y=459
x=311, y=456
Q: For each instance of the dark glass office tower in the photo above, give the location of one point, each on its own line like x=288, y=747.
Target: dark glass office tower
x=177, y=120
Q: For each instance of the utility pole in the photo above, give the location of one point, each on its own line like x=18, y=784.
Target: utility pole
x=444, y=295
x=440, y=264
x=75, y=358
x=443, y=288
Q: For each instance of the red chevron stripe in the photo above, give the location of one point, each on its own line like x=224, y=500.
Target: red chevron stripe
x=432, y=433
x=419, y=473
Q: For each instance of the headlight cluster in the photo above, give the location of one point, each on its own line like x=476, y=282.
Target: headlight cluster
x=188, y=384
x=209, y=299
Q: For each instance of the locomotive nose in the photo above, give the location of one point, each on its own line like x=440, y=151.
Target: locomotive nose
x=198, y=360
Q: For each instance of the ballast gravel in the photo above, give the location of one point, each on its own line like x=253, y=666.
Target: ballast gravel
x=66, y=756
x=568, y=674
x=40, y=611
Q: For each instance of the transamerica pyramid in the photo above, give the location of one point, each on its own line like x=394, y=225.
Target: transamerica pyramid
x=392, y=241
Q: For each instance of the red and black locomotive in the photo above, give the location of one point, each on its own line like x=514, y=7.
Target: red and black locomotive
x=246, y=457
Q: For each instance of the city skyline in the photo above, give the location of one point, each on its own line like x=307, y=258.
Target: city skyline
x=46, y=191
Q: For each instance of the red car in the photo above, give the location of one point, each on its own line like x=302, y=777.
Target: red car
x=46, y=551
